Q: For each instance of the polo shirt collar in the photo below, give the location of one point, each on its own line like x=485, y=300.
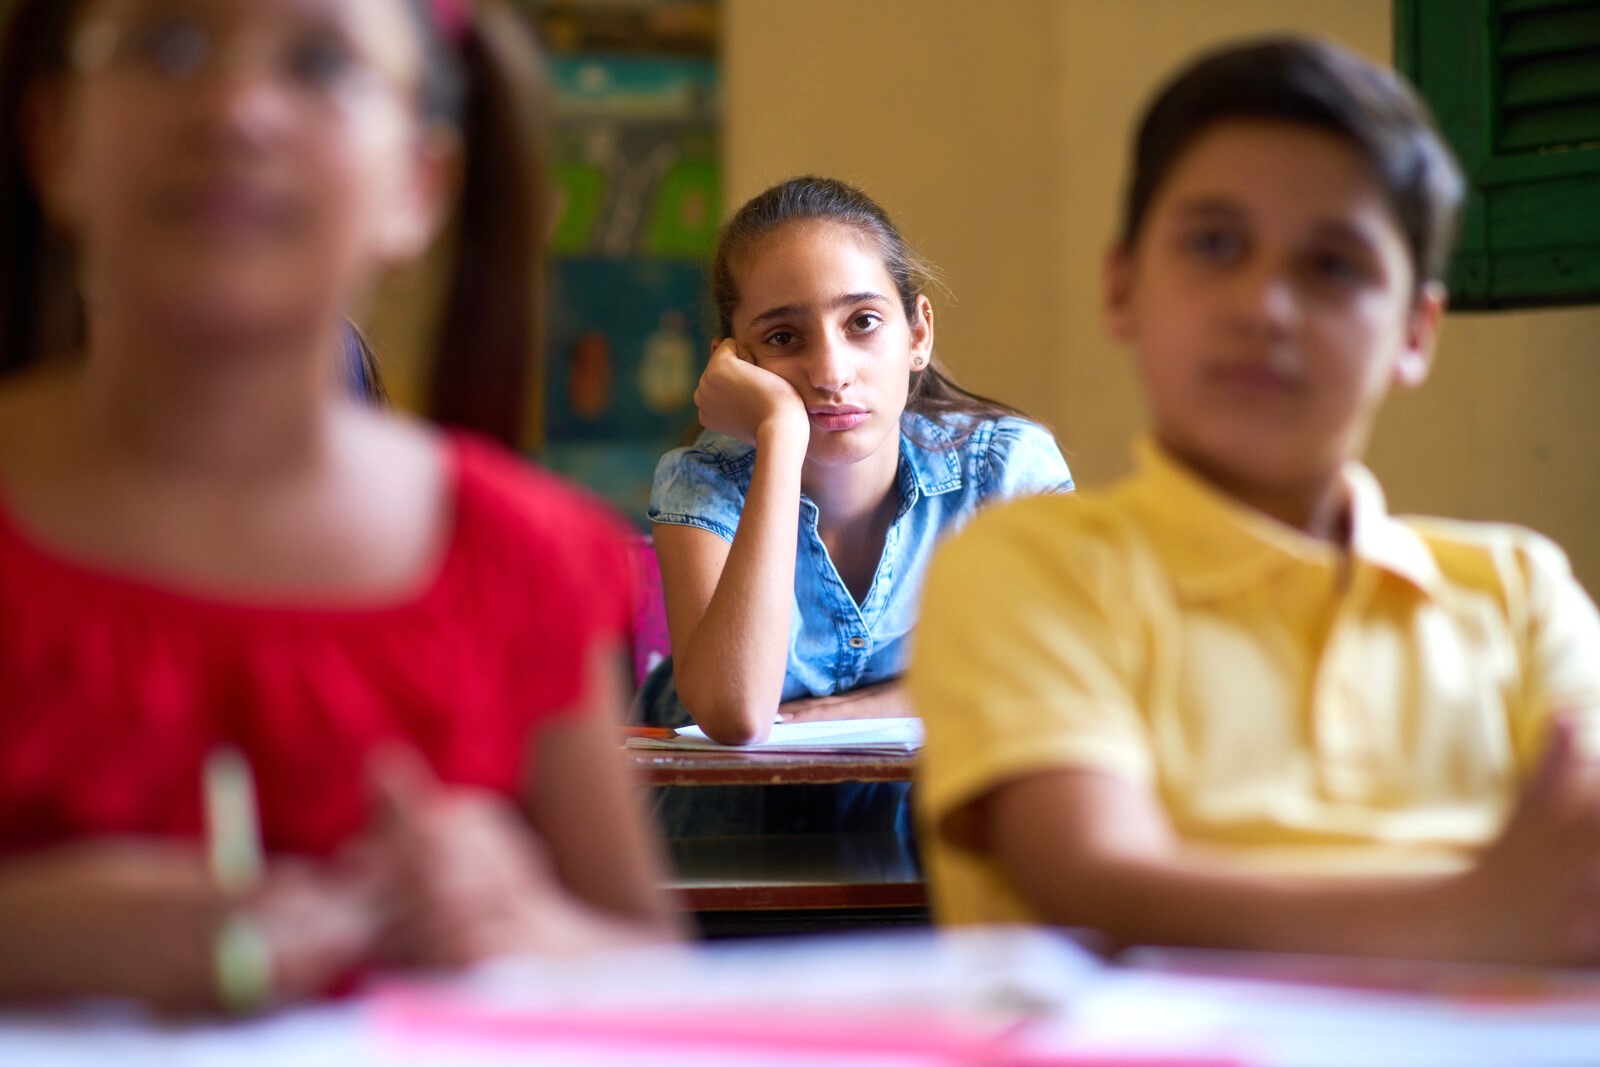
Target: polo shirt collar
x=1213, y=544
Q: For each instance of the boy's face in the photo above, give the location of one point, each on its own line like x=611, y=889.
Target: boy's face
x=1271, y=302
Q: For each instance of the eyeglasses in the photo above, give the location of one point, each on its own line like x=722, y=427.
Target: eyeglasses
x=315, y=62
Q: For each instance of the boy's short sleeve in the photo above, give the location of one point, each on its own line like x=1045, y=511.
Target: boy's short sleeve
x=1563, y=646
x=1023, y=460
x=1028, y=657
x=692, y=487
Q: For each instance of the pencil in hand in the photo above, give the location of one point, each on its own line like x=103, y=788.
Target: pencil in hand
x=233, y=826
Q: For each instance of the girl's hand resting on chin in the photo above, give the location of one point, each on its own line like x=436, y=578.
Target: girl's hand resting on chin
x=738, y=398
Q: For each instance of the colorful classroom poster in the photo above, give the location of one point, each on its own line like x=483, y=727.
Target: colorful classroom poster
x=638, y=189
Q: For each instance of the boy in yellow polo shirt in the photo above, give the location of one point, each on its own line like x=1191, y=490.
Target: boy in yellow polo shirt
x=1231, y=701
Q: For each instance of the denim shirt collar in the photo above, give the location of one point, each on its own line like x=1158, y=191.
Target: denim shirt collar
x=930, y=463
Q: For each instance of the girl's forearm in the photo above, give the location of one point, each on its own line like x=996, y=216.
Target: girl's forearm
x=730, y=675
x=99, y=919
x=32, y=962
x=883, y=700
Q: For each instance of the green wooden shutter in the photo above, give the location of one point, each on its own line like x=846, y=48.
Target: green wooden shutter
x=1515, y=85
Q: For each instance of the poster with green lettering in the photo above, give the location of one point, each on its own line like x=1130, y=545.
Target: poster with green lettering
x=638, y=193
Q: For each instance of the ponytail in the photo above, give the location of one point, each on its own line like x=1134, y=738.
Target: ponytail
x=486, y=350
x=39, y=308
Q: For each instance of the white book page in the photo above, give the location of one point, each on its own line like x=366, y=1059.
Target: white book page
x=837, y=735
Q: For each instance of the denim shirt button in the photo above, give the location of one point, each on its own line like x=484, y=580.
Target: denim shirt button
x=858, y=642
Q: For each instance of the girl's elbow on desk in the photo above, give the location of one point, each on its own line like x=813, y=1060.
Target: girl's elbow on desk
x=740, y=728
x=729, y=724
x=727, y=718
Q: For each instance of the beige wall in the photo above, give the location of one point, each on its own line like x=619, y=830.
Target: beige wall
x=995, y=132
x=941, y=112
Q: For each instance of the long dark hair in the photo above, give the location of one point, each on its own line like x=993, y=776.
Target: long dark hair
x=932, y=391
x=483, y=77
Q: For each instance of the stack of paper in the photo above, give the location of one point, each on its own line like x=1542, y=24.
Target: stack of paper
x=857, y=736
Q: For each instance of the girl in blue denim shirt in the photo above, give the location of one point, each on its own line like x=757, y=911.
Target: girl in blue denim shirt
x=793, y=534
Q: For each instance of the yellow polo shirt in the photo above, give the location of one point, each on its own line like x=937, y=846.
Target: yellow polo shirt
x=1292, y=705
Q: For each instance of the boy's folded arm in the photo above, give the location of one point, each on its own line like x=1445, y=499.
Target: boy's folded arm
x=1090, y=849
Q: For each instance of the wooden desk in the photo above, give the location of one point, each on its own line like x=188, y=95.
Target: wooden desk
x=739, y=885
x=796, y=871
x=752, y=767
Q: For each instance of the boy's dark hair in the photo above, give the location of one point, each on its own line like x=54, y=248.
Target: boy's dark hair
x=809, y=198
x=487, y=85
x=1309, y=83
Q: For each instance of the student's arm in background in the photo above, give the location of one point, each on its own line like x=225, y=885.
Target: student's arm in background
x=728, y=605
x=1028, y=668
x=883, y=700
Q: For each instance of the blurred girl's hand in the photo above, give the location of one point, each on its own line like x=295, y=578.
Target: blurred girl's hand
x=738, y=398
x=470, y=880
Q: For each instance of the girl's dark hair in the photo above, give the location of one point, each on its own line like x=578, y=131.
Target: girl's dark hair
x=487, y=84
x=1309, y=83
x=932, y=391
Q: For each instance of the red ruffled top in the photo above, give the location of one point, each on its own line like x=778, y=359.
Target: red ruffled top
x=114, y=689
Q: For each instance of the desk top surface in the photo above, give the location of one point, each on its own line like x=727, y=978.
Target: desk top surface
x=753, y=767
x=927, y=998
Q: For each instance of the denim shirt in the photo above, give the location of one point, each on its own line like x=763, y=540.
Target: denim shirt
x=835, y=644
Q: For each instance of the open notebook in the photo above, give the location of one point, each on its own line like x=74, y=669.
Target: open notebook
x=881, y=736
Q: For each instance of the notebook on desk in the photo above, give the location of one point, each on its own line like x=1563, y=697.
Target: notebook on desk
x=892, y=737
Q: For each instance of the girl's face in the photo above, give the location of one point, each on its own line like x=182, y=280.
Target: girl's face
x=1270, y=302
x=818, y=308
x=239, y=163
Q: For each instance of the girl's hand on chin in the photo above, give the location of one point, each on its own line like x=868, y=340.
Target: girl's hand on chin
x=738, y=398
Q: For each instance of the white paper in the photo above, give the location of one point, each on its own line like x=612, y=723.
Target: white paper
x=886, y=736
